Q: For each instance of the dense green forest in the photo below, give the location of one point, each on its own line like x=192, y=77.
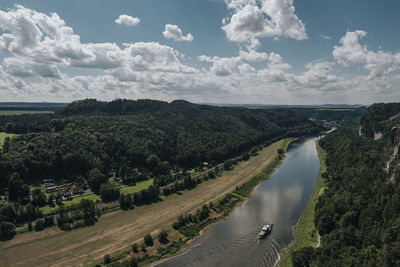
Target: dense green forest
x=88, y=141
x=358, y=215
x=147, y=134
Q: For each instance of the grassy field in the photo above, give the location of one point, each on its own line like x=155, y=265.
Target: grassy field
x=136, y=188
x=20, y=112
x=3, y=136
x=47, y=209
x=305, y=232
x=116, y=230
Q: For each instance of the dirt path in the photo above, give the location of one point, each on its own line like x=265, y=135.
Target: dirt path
x=116, y=230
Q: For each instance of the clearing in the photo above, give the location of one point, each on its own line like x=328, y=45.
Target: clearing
x=116, y=230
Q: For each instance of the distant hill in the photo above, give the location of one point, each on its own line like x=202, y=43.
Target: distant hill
x=34, y=106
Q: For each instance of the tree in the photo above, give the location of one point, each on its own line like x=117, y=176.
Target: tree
x=211, y=175
x=96, y=179
x=148, y=240
x=125, y=201
x=245, y=156
x=38, y=198
x=7, y=231
x=302, y=257
x=17, y=191
x=228, y=164
x=50, y=200
x=135, y=248
x=152, y=161
x=280, y=151
x=163, y=236
x=107, y=259
x=109, y=192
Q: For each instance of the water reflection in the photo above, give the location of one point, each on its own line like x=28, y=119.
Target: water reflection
x=280, y=200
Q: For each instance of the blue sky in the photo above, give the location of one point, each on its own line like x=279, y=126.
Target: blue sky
x=232, y=51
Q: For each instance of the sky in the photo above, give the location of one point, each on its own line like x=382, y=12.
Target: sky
x=203, y=51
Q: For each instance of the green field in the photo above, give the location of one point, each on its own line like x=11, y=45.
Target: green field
x=3, y=136
x=305, y=232
x=47, y=209
x=136, y=188
x=20, y=112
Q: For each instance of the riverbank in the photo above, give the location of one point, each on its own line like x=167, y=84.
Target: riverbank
x=305, y=233
x=116, y=231
x=239, y=195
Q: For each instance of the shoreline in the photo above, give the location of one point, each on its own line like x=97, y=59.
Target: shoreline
x=275, y=163
x=285, y=255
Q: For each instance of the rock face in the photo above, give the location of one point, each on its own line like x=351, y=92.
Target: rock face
x=392, y=164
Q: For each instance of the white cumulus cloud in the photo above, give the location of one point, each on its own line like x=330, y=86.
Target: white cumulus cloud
x=174, y=32
x=351, y=51
x=127, y=20
x=266, y=18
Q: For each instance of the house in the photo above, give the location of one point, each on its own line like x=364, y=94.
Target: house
x=135, y=170
x=51, y=189
x=76, y=190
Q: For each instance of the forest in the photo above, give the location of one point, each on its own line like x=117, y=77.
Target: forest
x=89, y=141
x=358, y=215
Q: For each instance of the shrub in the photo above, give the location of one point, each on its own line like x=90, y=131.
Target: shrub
x=163, y=236
x=148, y=240
x=7, y=231
x=107, y=259
x=135, y=248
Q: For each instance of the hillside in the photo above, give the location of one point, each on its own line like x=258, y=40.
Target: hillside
x=358, y=215
x=153, y=136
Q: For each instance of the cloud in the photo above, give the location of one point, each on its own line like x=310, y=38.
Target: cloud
x=266, y=18
x=351, y=51
x=174, y=32
x=41, y=56
x=127, y=20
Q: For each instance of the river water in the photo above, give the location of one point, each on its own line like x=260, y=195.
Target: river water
x=280, y=200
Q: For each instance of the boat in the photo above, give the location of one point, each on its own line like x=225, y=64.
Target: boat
x=266, y=230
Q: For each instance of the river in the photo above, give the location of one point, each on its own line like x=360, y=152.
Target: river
x=280, y=200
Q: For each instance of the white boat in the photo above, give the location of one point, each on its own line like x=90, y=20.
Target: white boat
x=265, y=231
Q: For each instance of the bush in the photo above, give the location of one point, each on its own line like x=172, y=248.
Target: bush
x=148, y=240
x=7, y=231
x=135, y=248
x=39, y=225
x=228, y=164
x=107, y=259
x=163, y=236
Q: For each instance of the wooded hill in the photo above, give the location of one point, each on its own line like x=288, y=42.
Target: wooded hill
x=358, y=215
x=90, y=136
